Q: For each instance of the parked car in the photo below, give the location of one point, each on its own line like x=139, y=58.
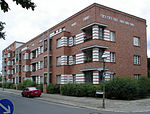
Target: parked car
x=31, y=92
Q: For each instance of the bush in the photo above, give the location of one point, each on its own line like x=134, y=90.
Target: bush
x=53, y=89
x=20, y=86
x=26, y=83
x=122, y=88
x=40, y=86
x=0, y=84
x=79, y=90
x=143, y=87
x=8, y=85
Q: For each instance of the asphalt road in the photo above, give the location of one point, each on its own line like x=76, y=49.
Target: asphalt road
x=36, y=106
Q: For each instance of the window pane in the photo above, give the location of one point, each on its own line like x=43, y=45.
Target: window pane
x=58, y=60
x=136, y=41
x=112, y=36
x=59, y=43
x=58, y=79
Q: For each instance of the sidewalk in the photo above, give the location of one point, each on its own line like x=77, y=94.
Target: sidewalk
x=94, y=103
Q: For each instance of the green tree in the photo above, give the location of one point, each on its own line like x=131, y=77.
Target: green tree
x=5, y=8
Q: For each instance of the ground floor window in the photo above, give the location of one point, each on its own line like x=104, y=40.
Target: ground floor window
x=58, y=79
x=45, y=78
x=137, y=76
x=74, y=78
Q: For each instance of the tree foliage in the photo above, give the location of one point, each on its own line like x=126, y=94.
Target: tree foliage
x=27, y=4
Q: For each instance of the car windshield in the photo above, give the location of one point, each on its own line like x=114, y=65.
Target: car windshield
x=32, y=88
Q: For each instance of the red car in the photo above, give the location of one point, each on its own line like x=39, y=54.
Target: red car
x=31, y=92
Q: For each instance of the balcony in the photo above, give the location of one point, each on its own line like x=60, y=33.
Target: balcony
x=87, y=38
x=88, y=56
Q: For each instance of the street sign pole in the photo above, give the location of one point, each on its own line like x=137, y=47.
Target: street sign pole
x=104, y=84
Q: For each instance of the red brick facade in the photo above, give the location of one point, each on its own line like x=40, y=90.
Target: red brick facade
x=84, y=37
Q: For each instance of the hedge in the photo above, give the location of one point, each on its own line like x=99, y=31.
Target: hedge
x=53, y=89
x=9, y=85
x=79, y=90
x=143, y=87
x=26, y=83
x=122, y=88
x=40, y=86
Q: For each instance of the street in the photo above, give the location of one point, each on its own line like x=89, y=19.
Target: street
x=35, y=106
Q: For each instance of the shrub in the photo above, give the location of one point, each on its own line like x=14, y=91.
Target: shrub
x=143, y=87
x=28, y=83
x=8, y=85
x=40, y=86
x=20, y=86
x=0, y=84
x=121, y=88
x=79, y=90
x=53, y=89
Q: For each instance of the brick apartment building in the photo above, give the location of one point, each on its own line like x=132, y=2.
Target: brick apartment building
x=71, y=51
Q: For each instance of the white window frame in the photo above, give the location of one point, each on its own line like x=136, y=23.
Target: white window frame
x=59, y=61
x=137, y=76
x=136, y=41
x=58, y=42
x=112, y=56
x=137, y=60
x=58, y=79
x=112, y=36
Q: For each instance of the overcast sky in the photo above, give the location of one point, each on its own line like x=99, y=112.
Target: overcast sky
x=23, y=25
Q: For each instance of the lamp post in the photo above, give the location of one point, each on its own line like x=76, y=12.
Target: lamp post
x=104, y=57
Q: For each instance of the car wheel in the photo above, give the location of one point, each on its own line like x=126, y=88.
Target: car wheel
x=39, y=95
x=28, y=96
x=22, y=95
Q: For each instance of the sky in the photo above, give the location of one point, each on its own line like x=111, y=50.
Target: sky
x=23, y=25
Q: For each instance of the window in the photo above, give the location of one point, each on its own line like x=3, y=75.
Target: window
x=59, y=43
x=88, y=56
x=112, y=36
x=137, y=76
x=101, y=33
x=136, y=41
x=50, y=61
x=67, y=60
x=26, y=55
x=74, y=78
x=136, y=59
x=86, y=18
x=45, y=78
x=112, y=57
x=73, y=24
x=45, y=45
x=13, y=54
x=59, y=60
x=9, y=55
x=74, y=59
x=45, y=62
x=58, y=79
x=74, y=40
x=41, y=64
x=50, y=44
x=67, y=41
x=41, y=49
x=100, y=54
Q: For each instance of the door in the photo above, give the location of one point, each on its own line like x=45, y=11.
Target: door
x=89, y=77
